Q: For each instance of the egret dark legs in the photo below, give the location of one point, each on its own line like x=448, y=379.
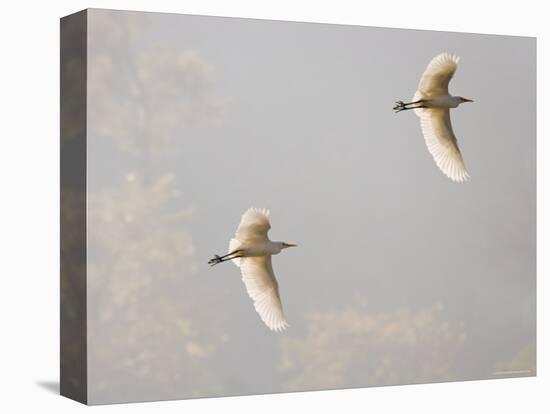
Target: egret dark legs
x=403, y=106
x=219, y=259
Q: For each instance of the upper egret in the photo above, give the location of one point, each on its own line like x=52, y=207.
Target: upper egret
x=251, y=250
x=431, y=103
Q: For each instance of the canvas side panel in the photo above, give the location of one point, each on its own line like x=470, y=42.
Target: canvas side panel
x=73, y=376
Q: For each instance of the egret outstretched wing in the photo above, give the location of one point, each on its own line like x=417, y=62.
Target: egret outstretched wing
x=441, y=141
x=261, y=285
x=438, y=74
x=254, y=225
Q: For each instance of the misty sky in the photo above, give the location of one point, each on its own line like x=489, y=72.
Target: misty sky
x=210, y=116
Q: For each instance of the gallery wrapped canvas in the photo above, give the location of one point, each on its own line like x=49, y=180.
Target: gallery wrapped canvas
x=252, y=206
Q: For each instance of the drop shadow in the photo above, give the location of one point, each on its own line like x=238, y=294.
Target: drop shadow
x=51, y=386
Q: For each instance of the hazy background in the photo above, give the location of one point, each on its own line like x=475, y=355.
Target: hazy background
x=401, y=276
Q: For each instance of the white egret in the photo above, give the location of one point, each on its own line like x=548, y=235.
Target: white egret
x=432, y=103
x=251, y=250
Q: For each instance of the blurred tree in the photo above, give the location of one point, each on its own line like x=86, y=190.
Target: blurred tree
x=148, y=336
x=150, y=332
x=524, y=361
x=142, y=97
x=352, y=347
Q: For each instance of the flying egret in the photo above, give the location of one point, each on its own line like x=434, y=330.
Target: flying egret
x=251, y=250
x=432, y=103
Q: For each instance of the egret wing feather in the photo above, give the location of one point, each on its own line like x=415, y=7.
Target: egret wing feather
x=438, y=74
x=442, y=144
x=254, y=225
x=261, y=285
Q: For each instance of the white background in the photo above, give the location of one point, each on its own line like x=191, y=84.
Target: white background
x=29, y=218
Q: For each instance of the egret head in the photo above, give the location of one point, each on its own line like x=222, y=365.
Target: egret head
x=285, y=245
x=462, y=100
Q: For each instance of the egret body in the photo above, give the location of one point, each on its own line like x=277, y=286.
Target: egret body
x=432, y=103
x=251, y=251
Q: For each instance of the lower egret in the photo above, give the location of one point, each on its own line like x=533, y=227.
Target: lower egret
x=251, y=250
